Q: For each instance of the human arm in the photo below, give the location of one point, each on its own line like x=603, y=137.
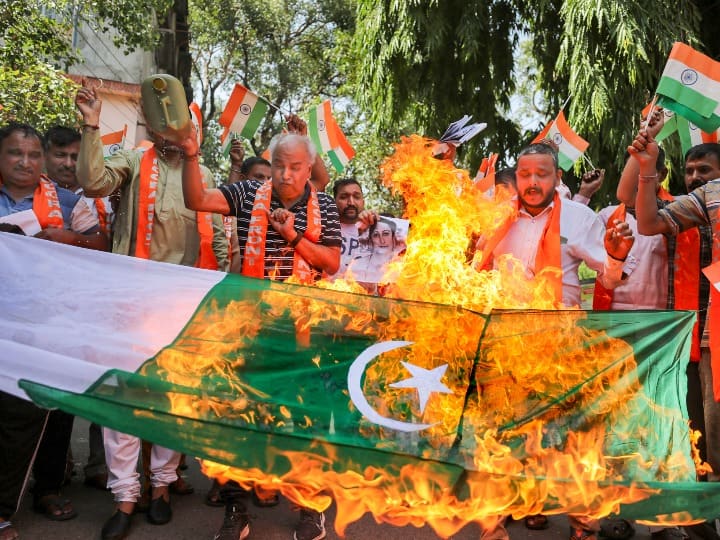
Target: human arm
x=237, y=154
x=589, y=184
x=628, y=184
x=97, y=177
x=197, y=196
x=644, y=151
x=94, y=240
x=325, y=258
x=84, y=230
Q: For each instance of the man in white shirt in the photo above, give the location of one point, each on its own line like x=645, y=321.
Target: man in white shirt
x=583, y=237
x=540, y=239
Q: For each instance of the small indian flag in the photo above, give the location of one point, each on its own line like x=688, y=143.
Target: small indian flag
x=328, y=137
x=570, y=145
x=112, y=142
x=244, y=112
x=690, y=86
x=691, y=135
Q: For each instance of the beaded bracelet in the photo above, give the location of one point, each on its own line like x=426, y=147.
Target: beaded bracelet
x=90, y=126
x=235, y=169
x=191, y=157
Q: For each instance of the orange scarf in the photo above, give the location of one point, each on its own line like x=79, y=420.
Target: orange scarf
x=102, y=215
x=46, y=204
x=686, y=279
x=548, y=259
x=602, y=297
x=149, y=174
x=254, y=255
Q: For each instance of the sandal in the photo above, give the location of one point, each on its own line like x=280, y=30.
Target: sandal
x=55, y=507
x=536, y=522
x=616, y=529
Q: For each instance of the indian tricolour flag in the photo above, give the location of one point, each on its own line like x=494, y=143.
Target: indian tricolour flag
x=691, y=135
x=197, y=120
x=690, y=86
x=570, y=145
x=244, y=112
x=112, y=142
x=225, y=139
x=360, y=391
x=327, y=136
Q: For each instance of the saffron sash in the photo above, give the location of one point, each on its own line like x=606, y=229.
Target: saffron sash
x=254, y=255
x=46, y=204
x=149, y=173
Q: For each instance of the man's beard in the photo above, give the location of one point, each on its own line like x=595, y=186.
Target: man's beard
x=350, y=217
x=695, y=184
x=543, y=204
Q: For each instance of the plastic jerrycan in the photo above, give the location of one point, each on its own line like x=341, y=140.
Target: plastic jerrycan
x=165, y=106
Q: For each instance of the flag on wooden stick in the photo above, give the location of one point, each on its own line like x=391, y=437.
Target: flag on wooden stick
x=244, y=112
x=570, y=145
x=327, y=136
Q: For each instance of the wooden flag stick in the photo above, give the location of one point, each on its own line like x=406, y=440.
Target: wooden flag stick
x=587, y=160
x=646, y=123
x=567, y=100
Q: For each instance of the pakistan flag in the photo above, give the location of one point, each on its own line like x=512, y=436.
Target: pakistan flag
x=413, y=411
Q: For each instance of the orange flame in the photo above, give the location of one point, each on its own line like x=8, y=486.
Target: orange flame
x=445, y=211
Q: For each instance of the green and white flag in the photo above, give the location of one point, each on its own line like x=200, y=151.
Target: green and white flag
x=369, y=396
x=690, y=86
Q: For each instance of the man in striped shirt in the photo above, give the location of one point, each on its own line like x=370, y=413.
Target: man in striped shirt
x=285, y=228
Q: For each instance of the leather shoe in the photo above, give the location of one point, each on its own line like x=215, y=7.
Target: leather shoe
x=117, y=527
x=159, y=512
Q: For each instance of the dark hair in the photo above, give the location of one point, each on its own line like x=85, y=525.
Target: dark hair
x=26, y=129
x=505, y=176
x=61, y=136
x=704, y=150
x=545, y=147
x=250, y=162
x=345, y=182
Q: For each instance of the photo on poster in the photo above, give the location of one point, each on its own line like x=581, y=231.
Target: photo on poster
x=382, y=242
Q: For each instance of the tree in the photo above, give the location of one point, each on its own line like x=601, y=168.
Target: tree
x=36, y=40
x=281, y=50
x=436, y=60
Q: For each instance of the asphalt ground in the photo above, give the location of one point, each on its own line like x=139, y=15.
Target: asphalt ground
x=194, y=520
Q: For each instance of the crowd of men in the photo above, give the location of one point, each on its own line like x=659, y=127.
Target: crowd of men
x=273, y=220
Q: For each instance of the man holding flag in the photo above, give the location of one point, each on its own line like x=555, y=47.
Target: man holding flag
x=286, y=229
x=152, y=223
x=700, y=208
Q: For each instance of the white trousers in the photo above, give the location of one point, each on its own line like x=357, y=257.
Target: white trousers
x=121, y=454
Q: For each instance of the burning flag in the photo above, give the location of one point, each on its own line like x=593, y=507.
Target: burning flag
x=570, y=145
x=112, y=142
x=244, y=112
x=413, y=411
x=328, y=137
x=690, y=86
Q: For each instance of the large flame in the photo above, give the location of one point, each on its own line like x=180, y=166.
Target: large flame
x=445, y=211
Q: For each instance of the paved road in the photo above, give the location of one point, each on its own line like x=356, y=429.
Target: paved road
x=193, y=520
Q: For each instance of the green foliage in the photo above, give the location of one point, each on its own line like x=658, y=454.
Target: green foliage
x=433, y=61
x=429, y=62
x=38, y=95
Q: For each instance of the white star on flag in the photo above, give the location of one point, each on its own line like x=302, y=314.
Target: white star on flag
x=425, y=381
